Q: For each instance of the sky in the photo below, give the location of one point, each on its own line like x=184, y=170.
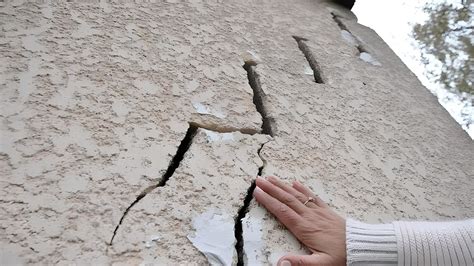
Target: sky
x=393, y=21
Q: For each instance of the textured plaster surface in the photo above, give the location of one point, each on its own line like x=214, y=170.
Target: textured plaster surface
x=214, y=175
x=96, y=98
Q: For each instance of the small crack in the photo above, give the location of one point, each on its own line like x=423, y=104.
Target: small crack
x=339, y=22
x=244, y=209
x=268, y=124
x=174, y=164
x=318, y=78
x=342, y=26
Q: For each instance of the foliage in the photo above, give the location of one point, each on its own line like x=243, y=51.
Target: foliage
x=446, y=39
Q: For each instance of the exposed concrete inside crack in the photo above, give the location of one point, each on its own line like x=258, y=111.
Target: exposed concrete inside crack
x=174, y=164
x=317, y=73
x=220, y=128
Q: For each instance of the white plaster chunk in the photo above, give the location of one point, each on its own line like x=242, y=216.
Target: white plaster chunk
x=251, y=58
x=214, y=236
x=203, y=109
x=252, y=235
x=215, y=136
x=348, y=37
x=366, y=57
x=150, y=240
x=308, y=70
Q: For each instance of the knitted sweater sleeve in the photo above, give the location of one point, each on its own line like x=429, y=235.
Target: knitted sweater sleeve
x=410, y=243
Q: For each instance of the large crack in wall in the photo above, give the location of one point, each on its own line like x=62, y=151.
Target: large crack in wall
x=317, y=73
x=358, y=44
x=238, y=229
x=362, y=51
x=174, y=164
x=268, y=127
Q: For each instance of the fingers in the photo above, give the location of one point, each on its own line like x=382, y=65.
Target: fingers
x=282, y=212
x=313, y=259
x=281, y=195
x=307, y=192
x=300, y=196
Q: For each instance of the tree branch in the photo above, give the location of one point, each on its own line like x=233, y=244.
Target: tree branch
x=463, y=28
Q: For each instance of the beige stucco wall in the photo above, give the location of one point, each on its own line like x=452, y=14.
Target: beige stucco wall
x=97, y=98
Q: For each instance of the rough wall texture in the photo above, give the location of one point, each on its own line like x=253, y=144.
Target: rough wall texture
x=131, y=133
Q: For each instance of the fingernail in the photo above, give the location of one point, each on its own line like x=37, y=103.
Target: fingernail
x=285, y=263
x=257, y=190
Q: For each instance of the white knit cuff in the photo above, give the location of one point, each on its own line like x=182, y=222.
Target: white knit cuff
x=369, y=244
x=435, y=243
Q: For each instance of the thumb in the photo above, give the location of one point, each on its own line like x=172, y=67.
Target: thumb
x=313, y=259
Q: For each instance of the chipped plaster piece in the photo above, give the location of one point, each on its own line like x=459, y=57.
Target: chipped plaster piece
x=201, y=108
x=214, y=236
x=308, y=70
x=348, y=37
x=251, y=58
x=216, y=136
x=252, y=233
x=366, y=57
x=205, y=110
x=150, y=240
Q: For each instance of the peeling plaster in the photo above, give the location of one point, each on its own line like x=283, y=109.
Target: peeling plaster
x=366, y=57
x=252, y=225
x=214, y=236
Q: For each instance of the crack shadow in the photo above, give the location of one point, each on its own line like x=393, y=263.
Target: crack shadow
x=174, y=164
x=268, y=124
x=317, y=73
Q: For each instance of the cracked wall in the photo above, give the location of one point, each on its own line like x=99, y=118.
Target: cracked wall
x=97, y=98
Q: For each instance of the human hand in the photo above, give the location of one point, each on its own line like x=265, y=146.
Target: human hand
x=315, y=225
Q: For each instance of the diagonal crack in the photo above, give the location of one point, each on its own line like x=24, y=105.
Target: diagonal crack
x=318, y=77
x=174, y=164
x=342, y=26
x=268, y=128
x=238, y=228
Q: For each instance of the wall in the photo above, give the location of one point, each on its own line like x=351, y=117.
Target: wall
x=132, y=132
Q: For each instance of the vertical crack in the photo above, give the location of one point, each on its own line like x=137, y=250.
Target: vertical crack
x=238, y=228
x=258, y=98
x=317, y=73
x=174, y=164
